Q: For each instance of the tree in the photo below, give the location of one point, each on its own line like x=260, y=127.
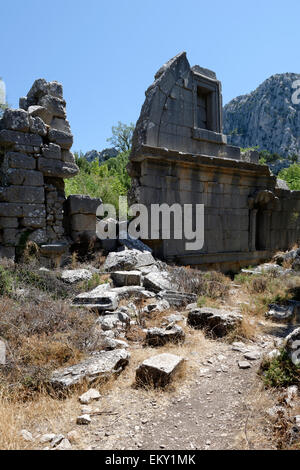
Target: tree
x=121, y=137
x=292, y=176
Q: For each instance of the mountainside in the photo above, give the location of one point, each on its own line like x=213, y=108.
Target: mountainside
x=267, y=117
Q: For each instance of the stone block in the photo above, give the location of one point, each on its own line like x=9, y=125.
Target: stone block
x=41, y=112
x=10, y=236
x=15, y=120
x=2, y=352
x=39, y=236
x=80, y=204
x=37, y=126
x=61, y=125
x=218, y=322
x=10, y=138
x=8, y=209
x=55, y=89
x=126, y=278
x=34, y=210
x=82, y=222
x=33, y=222
x=23, y=194
x=7, y=252
x=64, y=139
x=67, y=156
x=25, y=177
x=9, y=222
x=56, y=168
x=158, y=370
x=56, y=106
x=101, y=365
x=161, y=336
x=51, y=151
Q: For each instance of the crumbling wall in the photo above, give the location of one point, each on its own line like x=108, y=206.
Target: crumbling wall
x=35, y=158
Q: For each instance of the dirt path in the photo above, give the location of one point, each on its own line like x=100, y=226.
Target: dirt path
x=209, y=411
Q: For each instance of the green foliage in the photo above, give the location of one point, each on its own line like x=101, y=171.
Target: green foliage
x=6, y=281
x=107, y=181
x=122, y=136
x=280, y=371
x=292, y=176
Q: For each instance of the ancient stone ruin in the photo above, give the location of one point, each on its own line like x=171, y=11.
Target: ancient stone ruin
x=180, y=156
x=35, y=158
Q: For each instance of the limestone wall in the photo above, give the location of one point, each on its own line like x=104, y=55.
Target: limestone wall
x=180, y=156
x=35, y=158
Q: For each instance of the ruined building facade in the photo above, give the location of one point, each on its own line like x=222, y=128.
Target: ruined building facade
x=180, y=155
x=35, y=158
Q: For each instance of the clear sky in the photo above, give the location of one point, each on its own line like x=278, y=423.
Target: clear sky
x=106, y=52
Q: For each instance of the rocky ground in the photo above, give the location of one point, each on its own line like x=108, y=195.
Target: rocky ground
x=214, y=399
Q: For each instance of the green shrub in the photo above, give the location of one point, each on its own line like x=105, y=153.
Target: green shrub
x=6, y=281
x=280, y=371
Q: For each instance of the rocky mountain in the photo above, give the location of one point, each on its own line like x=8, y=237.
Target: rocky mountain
x=103, y=155
x=269, y=117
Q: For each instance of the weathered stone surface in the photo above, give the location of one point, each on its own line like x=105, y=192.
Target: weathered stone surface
x=9, y=222
x=7, y=252
x=128, y=260
x=63, y=139
x=215, y=321
x=126, y=278
x=158, y=370
x=281, y=313
x=8, y=137
x=22, y=161
x=26, y=435
x=52, y=151
x=22, y=194
x=2, y=353
x=84, y=420
x=102, y=364
x=157, y=306
x=67, y=156
x=15, y=120
x=37, y=126
x=81, y=204
x=10, y=209
x=83, y=222
x=24, y=177
x=76, y=275
x=57, y=169
x=64, y=445
x=292, y=346
x=89, y=396
x=34, y=210
x=133, y=244
x=41, y=112
x=178, y=299
x=102, y=297
x=162, y=336
x=61, y=125
x=157, y=281
x=56, y=106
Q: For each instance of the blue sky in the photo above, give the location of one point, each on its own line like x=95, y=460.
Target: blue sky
x=106, y=52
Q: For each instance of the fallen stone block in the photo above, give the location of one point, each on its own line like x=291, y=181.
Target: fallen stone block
x=292, y=346
x=281, y=313
x=157, y=307
x=2, y=353
x=158, y=370
x=178, y=299
x=89, y=396
x=126, y=278
x=101, y=365
x=157, y=281
x=76, y=275
x=162, y=336
x=128, y=260
x=84, y=420
x=102, y=297
x=218, y=322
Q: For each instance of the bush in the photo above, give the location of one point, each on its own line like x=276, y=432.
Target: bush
x=6, y=281
x=280, y=371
